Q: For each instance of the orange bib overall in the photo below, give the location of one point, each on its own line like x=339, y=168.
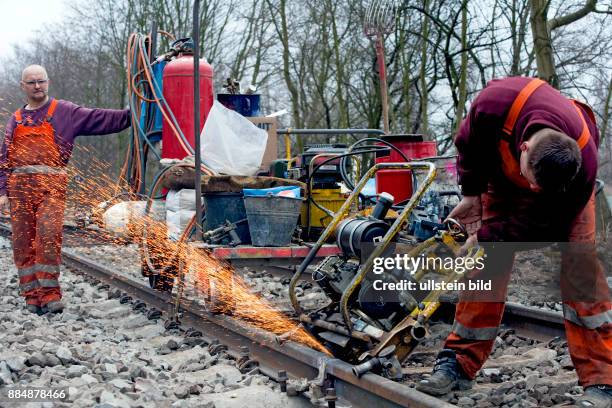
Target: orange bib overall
x=588, y=325
x=37, y=191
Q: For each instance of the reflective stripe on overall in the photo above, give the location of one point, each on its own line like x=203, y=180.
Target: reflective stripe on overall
x=37, y=188
x=588, y=325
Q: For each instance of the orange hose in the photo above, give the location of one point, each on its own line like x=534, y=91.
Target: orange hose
x=158, y=101
x=142, y=68
x=167, y=34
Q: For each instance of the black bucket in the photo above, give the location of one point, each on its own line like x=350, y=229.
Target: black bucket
x=246, y=105
x=221, y=207
x=272, y=220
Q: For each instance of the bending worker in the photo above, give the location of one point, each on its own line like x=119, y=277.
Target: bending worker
x=527, y=165
x=37, y=145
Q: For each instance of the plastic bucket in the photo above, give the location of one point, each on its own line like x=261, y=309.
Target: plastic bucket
x=398, y=182
x=222, y=207
x=272, y=220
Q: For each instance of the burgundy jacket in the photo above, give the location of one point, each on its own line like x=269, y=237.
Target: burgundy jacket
x=69, y=121
x=477, y=141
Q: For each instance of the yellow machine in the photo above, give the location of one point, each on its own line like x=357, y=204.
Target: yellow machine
x=360, y=325
x=313, y=216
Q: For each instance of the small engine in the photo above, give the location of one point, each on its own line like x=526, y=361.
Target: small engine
x=328, y=174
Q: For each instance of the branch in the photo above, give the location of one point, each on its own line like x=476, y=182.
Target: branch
x=609, y=11
x=571, y=17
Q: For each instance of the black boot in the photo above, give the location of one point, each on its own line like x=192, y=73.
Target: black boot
x=55, y=306
x=446, y=376
x=596, y=396
x=35, y=309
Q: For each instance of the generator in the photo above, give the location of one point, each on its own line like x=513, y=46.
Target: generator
x=317, y=167
x=310, y=165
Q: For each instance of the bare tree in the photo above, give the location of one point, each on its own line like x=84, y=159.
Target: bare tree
x=313, y=56
x=542, y=26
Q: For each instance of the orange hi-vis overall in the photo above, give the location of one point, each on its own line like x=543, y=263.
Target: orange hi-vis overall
x=37, y=191
x=588, y=324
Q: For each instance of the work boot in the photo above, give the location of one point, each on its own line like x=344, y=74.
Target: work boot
x=446, y=376
x=596, y=396
x=55, y=306
x=35, y=309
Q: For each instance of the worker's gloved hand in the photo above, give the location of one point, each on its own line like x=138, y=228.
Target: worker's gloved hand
x=4, y=205
x=472, y=241
x=469, y=213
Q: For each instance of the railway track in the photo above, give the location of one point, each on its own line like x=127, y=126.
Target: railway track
x=296, y=360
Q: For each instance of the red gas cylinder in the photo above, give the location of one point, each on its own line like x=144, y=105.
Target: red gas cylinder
x=399, y=182
x=178, y=92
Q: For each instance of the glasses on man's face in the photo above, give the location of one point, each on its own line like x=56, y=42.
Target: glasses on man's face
x=39, y=82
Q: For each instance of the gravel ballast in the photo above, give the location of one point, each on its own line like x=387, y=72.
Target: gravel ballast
x=107, y=355
x=110, y=355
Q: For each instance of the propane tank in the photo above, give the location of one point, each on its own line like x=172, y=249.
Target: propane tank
x=178, y=92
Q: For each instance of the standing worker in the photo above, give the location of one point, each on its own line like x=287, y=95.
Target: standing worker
x=37, y=145
x=527, y=165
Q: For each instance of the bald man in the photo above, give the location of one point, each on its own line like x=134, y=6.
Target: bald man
x=38, y=143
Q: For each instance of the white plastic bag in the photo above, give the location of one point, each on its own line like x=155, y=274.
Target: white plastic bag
x=176, y=221
x=181, y=200
x=231, y=144
x=118, y=217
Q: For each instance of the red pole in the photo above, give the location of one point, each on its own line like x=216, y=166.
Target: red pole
x=380, y=56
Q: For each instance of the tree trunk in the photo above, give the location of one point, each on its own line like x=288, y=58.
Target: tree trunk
x=606, y=115
x=283, y=33
x=516, y=44
x=542, y=43
x=541, y=28
x=343, y=118
x=423, y=74
x=464, y=67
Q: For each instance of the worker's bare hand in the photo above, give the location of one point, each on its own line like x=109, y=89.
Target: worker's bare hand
x=4, y=205
x=469, y=213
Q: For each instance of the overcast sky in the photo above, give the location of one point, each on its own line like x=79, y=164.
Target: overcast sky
x=20, y=19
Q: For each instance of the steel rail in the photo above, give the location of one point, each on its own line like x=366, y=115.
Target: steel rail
x=534, y=322
x=529, y=321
